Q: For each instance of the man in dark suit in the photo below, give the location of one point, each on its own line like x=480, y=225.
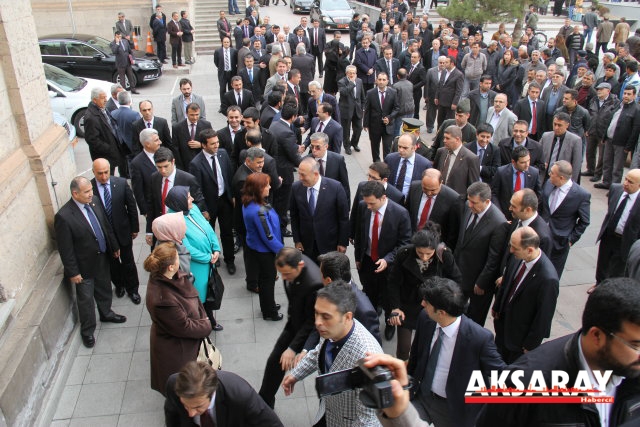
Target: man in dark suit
x=526, y=300
x=381, y=109
x=351, y=106
x=175, y=39
x=331, y=165
x=112, y=103
x=185, y=134
x=319, y=212
x=382, y=227
x=566, y=208
x=224, y=26
x=327, y=125
x=532, y=106
x=488, y=154
x=317, y=96
x=213, y=172
x=318, y=40
x=417, y=75
x=85, y=243
x=299, y=37
x=251, y=121
x=448, y=91
x=481, y=99
x=119, y=206
x=406, y=165
x=236, y=403
x=125, y=117
x=365, y=59
x=251, y=79
x=388, y=64
x=101, y=133
x=159, y=32
x=479, y=248
x=121, y=49
x=151, y=121
x=271, y=107
x=240, y=32
x=459, y=167
x=552, y=96
x=232, y=134
x=226, y=60
x=620, y=228
x=301, y=279
x=521, y=139
x=461, y=347
x=142, y=167
x=243, y=98
x=305, y=63
x=512, y=178
x=430, y=200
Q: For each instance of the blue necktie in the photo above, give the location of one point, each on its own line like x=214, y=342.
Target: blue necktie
x=251, y=75
x=102, y=243
x=312, y=199
x=481, y=154
x=107, y=201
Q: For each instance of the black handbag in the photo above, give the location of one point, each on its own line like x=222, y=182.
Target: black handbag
x=215, y=289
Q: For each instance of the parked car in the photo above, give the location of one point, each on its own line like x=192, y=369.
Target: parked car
x=332, y=14
x=303, y=6
x=90, y=56
x=70, y=95
x=61, y=120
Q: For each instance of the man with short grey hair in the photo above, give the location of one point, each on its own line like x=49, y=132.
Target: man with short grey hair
x=142, y=167
x=101, y=133
x=125, y=117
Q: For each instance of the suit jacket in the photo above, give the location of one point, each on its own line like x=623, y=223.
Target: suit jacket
x=351, y=98
x=182, y=134
x=112, y=105
x=490, y=161
x=503, y=183
x=155, y=194
x=121, y=51
x=101, y=140
x=392, y=194
x=381, y=66
x=220, y=23
x=328, y=226
x=417, y=77
x=374, y=112
x=322, y=40
x=525, y=321
x=229, y=144
x=631, y=230
x=481, y=252
x=230, y=98
x=307, y=66
x=178, y=108
x=218, y=60
x=238, y=35
x=395, y=231
x=449, y=93
x=164, y=133
x=571, y=151
x=243, y=52
x=312, y=109
x=294, y=41
x=420, y=164
x=173, y=28
x=336, y=168
x=266, y=117
x=77, y=242
x=141, y=169
x=571, y=218
x=540, y=227
x=474, y=98
x=404, y=89
x=255, y=87
x=271, y=82
x=333, y=131
x=125, y=117
x=546, y=93
x=288, y=157
x=125, y=28
x=285, y=45
x=187, y=30
x=522, y=110
x=504, y=128
x=535, y=152
x=201, y=169
x=464, y=172
x=237, y=405
x=124, y=215
x=365, y=61
x=474, y=349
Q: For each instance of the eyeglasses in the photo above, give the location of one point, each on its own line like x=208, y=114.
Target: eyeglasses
x=633, y=347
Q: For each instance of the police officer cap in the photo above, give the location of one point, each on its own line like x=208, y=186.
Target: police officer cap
x=410, y=124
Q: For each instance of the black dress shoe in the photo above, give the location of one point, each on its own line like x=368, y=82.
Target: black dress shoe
x=595, y=178
x=114, y=318
x=236, y=248
x=389, y=332
x=218, y=327
x=355, y=147
x=88, y=341
x=601, y=185
x=275, y=317
x=231, y=268
x=135, y=297
x=587, y=173
x=254, y=290
x=120, y=292
x=277, y=306
x=286, y=233
x=347, y=150
x=135, y=92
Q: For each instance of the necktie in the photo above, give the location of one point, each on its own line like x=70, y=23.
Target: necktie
x=239, y=99
x=555, y=152
x=374, y=237
x=430, y=371
x=165, y=190
x=102, y=243
x=518, y=185
x=425, y=213
x=315, y=38
x=193, y=132
x=214, y=167
x=613, y=223
x=246, y=32
x=412, y=68
x=227, y=61
x=447, y=163
x=108, y=119
x=312, y=199
x=384, y=38
x=443, y=74
x=516, y=280
x=206, y=420
x=251, y=76
x=321, y=163
x=148, y=125
x=295, y=90
x=402, y=175
x=553, y=200
x=226, y=26
x=472, y=225
x=283, y=79
x=534, y=118
x=390, y=68
x=481, y=154
x=381, y=99
x=299, y=39
x=107, y=201
x=320, y=127
x=282, y=47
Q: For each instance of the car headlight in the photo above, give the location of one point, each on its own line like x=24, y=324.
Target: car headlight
x=146, y=65
x=327, y=19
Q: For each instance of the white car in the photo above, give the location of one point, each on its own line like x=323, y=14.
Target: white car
x=70, y=95
x=61, y=120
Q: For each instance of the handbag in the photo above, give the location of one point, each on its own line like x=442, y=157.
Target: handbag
x=215, y=289
x=209, y=353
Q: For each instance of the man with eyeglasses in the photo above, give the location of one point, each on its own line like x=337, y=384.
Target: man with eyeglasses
x=609, y=340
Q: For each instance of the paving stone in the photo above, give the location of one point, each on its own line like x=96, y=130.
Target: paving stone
x=139, y=397
x=99, y=399
x=78, y=370
x=121, y=340
x=108, y=368
x=67, y=402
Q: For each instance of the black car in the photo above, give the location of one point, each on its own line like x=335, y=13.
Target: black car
x=90, y=56
x=303, y=6
x=332, y=14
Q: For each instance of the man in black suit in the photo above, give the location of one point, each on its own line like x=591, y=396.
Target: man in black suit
x=232, y=133
x=142, y=167
x=524, y=210
x=299, y=37
x=325, y=124
x=526, y=300
x=481, y=99
x=566, y=208
x=235, y=402
x=240, y=32
x=351, y=106
x=448, y=91
x=459, y=167
x=226, y=60
x=251, y=121
x=417, y=75
x=125, y=117
x=381, y=108
x=479, y=248
x=301, y=278
x=430, y=200
x=388, y=64
x=271, y=108
x=250, y=75
x=512, y=178
x=121, y=49
x=166, y=177
x=620, y=228
x=243, y=98
x=213, y=173
x=159, y=31
x=406, y=165
x=318, y=40
x=521, y=138
x=119, y=206
x=532, y=106
x=101, y=133
x=151, y=121
x=85, y=243
x=331, y=165
x=112, y=103
x=382, y=227
x=461, y=347
x=319, y=212
x=305, y=63
x=185, y=134
x=365, y=59
x=317, y=97
x=488, y=154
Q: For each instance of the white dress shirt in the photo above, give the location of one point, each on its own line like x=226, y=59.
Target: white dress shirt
x=213, y=158
x=627, y=210
x=381, y=212
x=439, y=385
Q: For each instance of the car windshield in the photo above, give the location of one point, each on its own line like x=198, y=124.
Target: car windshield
x=62, y=79
x=100, y=44
x=335, y=5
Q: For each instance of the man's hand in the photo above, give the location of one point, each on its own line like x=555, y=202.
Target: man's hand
x=133, y=236
x=396, y=320
x=288, y=383
x=370, y=72
x=366, y=130
x=342, y=249
x=499, y=281
x=478, y=290
x=206, y=215
x=149, y=240
x=299, y=246
x=286, y=360
x=453, y=107
x=299, y=357
x=116, y=254
x=494, y=314
x=382, y=265
x=302, y=149
x=76, y=279
x=194, y=144
x=385, y=120
x=358, y=265
x=401, y=379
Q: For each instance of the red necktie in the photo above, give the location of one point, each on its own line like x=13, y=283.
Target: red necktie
x=226, y=26
x=206, y=420
x=518, y=185
x=374, y=237
x=514, y=284
x=425, y=213
x=320, y=127
x=165, y=190
x=193, y=131
x=315, y=38
x=534, y=118
x=381, y=99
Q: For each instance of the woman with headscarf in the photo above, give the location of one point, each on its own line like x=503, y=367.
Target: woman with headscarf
x=200, y=240
x=172, y=228
x=333, y=53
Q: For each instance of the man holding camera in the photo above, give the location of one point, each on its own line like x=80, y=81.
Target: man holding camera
x=343, y=342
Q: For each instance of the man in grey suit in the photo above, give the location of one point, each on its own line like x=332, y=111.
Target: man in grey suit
x=501, y=118
x=405, y=98
x=224, y=26
x=459, y=166
x=560, y=144
x=552, y=96
x=180, y=102
x=124, y=26
x=351, y=104
x=430, y=86
x=125, y=117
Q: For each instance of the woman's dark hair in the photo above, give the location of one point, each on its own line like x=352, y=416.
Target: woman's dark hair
x=161, y=258
x=428, y=237
x=253, y=186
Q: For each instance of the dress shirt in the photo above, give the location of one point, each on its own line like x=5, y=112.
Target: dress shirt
x=527, y=268
x=452, y=160
x=380, y=92
x=627, y=210
x=439, y=385
x=150, y=157
x=423, y=201
x=480, y=215
x=562, y=192
x=101, y=189
x=324, y=125
x=381, y=212
x=185, y=103
x=316, y=187
x=446, y=76
x=494, y=120
x=407, y=176
x=527, y=222
x=219, y=178
x=233, y=132
x=81, y=206
x=149, y=124
x=514, y=176
x=211, y=409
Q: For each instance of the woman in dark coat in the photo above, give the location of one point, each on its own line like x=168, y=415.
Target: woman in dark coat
x=179, y=321
x=507, y=76
x=425, y=257
x=333, y=54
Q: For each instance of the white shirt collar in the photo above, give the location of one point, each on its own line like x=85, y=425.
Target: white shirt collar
x=451, y=330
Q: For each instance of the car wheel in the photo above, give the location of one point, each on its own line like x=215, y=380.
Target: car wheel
x=116, y=79
x=78, y=122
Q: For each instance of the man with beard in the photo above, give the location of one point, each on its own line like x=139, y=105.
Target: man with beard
x=608, y=340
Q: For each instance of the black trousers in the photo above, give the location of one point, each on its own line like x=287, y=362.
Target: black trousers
x=374, y=284
x=444, y=113
x=128, y=72
x=509, y=356
x=595, y=154
x=250, y=262
x=224, y=80
x=281, y=203
x=224, y=215
x=176, y=53
x=273, y=374
x=353, y=123
x=96, y=288
x=376, y=135
x=610, y=260
x=318, y=55
x=479, y=306
x=124, y=273
x=161, y=47
x=265, y=268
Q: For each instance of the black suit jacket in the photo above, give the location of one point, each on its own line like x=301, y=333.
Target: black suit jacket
x=418, y=77
x=336, y=169
x=77, y=243
x=237, y=405
x=101, y=141
x=208, y=182
x=490, y=161
x=392, y=194
x=182, y=134
x=502, y=186
x=449, y=93
x=312, y=109
x=266, y=117
x=474, y=98
x=141, y=169
x=631, y=231
x=218, y=59
x=534, y=147
x=230, y=99
x=374, y=112
x=322, y=40
x=162, y=126
x=522, y=109
x=381, y=66
x=124, y=215
x=294, y=41
x=571, y=218
x=224, y=137
x=256, y=88
x=474, y=350
x=395, y=231
x=420, y=164
x=543, y=231
x=288, y=158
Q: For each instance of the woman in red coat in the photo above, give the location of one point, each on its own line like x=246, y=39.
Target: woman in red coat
x=179, y=319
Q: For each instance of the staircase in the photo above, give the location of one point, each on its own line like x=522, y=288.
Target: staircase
x=206, y=15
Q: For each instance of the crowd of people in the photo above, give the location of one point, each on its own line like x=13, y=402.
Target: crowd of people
x=477, y=223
